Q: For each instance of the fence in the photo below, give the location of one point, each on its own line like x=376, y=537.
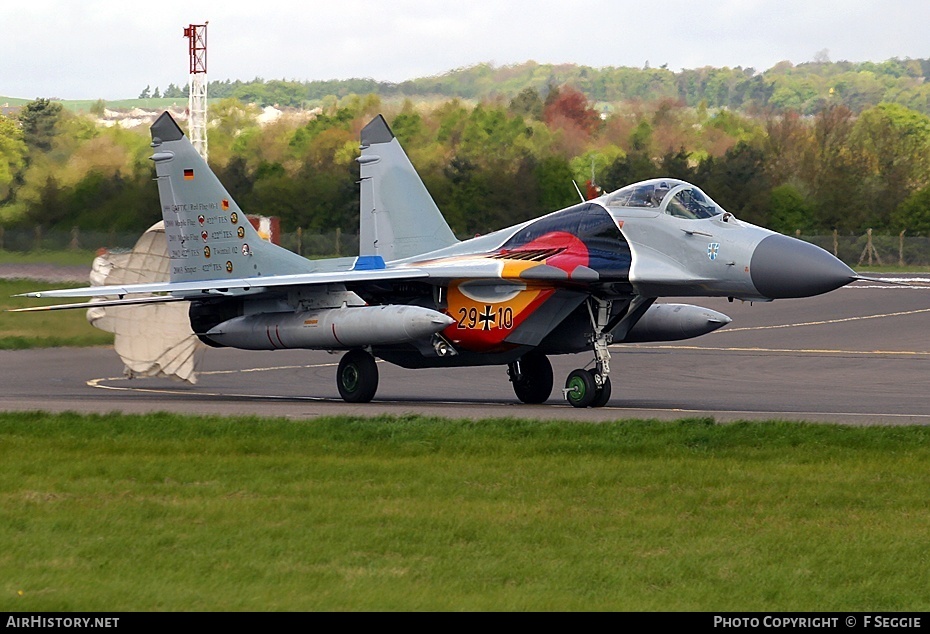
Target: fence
x=866, y=250
x=871, y=249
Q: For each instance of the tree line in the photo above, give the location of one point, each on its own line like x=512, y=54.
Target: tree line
x=807, y=88
x=491, y=163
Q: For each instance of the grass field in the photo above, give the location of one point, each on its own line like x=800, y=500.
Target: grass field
x=162, y=512
x=43, y=329
x=67, y=257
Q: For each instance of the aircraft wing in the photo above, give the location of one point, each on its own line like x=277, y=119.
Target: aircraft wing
x=250, y=285
x=479, y=266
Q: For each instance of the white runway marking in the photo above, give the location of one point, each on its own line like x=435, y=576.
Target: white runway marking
x=824, y=322
x=98, y=383
x=905, y=353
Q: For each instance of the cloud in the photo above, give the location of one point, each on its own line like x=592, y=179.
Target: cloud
x=94, y=49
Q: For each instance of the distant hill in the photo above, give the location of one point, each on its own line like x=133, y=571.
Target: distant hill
x=805, y=87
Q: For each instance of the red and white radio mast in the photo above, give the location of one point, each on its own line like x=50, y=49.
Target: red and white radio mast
x=196, y=35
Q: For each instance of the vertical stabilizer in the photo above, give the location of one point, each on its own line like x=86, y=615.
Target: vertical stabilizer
x=208, y=236
x=397, y=216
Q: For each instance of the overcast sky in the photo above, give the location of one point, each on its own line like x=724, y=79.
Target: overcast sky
x=89, y=49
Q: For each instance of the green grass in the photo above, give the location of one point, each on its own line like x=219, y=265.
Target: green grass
x=84, y=105
x=865, y=270
x=68, y=257
x=162, y=512
x=44, y=329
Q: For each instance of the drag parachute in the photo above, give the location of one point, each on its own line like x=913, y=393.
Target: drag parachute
x=151, y=339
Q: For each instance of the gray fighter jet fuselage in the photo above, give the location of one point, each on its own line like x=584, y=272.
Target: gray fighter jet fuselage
x=577, y=279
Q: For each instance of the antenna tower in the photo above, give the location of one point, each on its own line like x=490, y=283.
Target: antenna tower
x=196, y=35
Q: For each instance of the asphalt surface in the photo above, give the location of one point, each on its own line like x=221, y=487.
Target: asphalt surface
x=859, y=355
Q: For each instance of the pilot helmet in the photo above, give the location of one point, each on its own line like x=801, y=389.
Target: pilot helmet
x=660, y=190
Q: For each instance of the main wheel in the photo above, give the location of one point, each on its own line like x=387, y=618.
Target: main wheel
x=603, y=394
x=357, y=377
x=581, y=388
x=535, y=383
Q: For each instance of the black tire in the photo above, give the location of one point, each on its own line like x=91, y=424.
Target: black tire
x=582, y=388
x=535, y=384
x=357, y=377
x=603, y=394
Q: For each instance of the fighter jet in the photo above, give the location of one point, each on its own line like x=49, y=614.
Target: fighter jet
x=575, y=280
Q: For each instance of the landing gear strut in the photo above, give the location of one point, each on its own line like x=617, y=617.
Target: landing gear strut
x=585, y=388
x=357, y=377
x=591, y=388
x=531, y=376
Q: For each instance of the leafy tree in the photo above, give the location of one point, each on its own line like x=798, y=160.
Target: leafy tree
x=896, y=141
x=737, y=181
x=408, y=127
x=569, y=104
x=231, y=123
x=173, y=92
x=592, y=164
x=554, y=177
x=913, y=214
x=467, y=195
x=12, y=154
x=490, y=137
x=362, y=105
x=235, y=176
x=303, y=137
x=641, y=138
x=631, y=168
x=39, y=119
x=790, y=210
x=156, y=94
x=672, y=126
x=452, y=116
x=145, y=94
x=101, y=202
x=739, y=127
x=787, y=141
x=677, y=165
x=835, y=171
x=527, y=103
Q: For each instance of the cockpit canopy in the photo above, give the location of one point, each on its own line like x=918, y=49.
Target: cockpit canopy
x=668, y=195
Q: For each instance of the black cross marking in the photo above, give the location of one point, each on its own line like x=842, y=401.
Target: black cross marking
x=487, y=318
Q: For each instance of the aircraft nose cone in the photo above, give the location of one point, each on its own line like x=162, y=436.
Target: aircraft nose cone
x=783, y=267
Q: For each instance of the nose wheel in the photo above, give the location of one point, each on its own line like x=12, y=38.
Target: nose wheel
x=591, y=388
x=582, y=390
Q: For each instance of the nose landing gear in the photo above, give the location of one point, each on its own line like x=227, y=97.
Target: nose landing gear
x=591, y=388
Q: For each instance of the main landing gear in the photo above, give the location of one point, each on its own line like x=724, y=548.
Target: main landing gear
x=357, y=377
x=531, y=376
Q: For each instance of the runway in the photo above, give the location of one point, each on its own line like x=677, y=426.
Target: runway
x=859, y=355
